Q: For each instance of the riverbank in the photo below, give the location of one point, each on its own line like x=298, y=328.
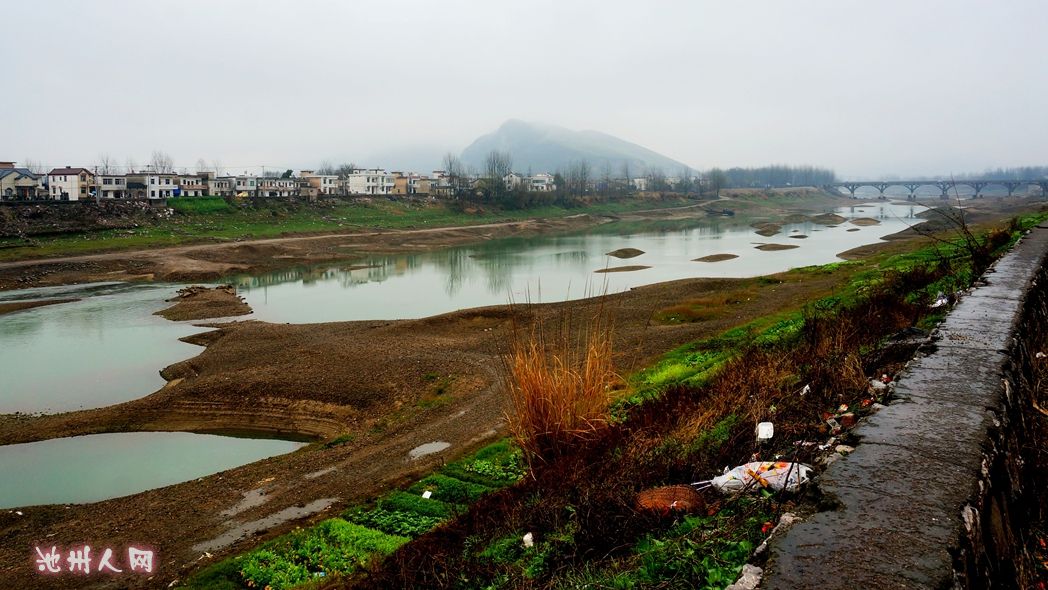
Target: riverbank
x=369, y=392
x=232, y=245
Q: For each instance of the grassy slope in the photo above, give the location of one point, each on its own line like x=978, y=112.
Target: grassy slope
x=211, y=219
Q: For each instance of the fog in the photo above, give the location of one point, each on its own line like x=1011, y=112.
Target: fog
x=867, y=88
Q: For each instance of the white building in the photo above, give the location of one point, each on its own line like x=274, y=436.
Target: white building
x=512, y=180
x=71, y=184
x=640, y=184
x=371, y=181
x=541, y=183
x=245, y=186
x=113, y=186
x=192, y=185
x=278, y=187
x=221, y=186
x=325, y=184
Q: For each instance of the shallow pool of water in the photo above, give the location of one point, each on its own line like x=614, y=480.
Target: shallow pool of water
x=551, y=268
x=97, y=467
x=106, y=348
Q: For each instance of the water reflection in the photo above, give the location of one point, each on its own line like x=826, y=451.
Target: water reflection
x=558, y=267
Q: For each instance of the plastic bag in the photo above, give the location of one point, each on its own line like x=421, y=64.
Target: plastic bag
x=774, y=475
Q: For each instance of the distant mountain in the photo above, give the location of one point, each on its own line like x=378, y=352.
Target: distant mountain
x=547, y=148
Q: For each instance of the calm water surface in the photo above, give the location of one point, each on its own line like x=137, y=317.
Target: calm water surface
x=109, y=348
x=97, y=467
x=104, y=349
x=551, y=268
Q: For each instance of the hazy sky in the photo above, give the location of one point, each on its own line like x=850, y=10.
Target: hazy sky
x=866, y=87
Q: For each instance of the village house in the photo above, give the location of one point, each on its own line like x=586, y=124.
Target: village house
x=152, y=185
x=245, y=186
x=278, y=187
x=371, y=181
x=112, y=186
x=192, y=185
x=325, y=184
x=221, y=186
x=71, y=184
x=512, y=180
x=541, y=183
x=18, y=183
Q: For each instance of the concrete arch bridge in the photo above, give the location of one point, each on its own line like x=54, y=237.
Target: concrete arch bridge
x=944, y=186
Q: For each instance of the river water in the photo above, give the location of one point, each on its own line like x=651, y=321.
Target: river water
x=109, y=347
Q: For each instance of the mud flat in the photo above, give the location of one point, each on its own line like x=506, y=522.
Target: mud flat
x=629, y=268
x=626, y=253
x=864, y=221
x=13, y=306
x=775, y=247
x=201, y=303
x=716, y=258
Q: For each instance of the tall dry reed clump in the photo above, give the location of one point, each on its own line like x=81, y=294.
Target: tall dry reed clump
x=559, y=382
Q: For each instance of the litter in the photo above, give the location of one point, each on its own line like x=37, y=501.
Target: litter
x=529, y=540
x=940, y=300
x=765, y=431
x=427, y=494
x=670, y=499
x=774, y=475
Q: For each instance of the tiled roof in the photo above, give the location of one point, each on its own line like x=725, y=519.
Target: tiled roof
x=68, y=171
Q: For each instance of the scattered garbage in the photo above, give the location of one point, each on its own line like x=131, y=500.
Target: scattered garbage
x=427, y=494
x=806, y=390
x=765, y=431
x=773, y=475
x=940, y=301
x=1040, y=355
x=670, y=499
x=529, y=540
x=844, y=449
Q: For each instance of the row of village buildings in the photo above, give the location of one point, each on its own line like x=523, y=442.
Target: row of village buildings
x=74, y=183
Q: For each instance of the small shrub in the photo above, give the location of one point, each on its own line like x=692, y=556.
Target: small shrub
x=450, y=489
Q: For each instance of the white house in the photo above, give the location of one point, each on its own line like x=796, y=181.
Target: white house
x=278, y=187
x=245, y=186
x=326, y=184
x=541, y=183
x=221, y=186
x=71, y=184
x=192, y=185
x=113, y=186
x=512, y=180
x=371, y=181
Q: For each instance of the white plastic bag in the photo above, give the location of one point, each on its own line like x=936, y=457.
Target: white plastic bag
x=774, y=475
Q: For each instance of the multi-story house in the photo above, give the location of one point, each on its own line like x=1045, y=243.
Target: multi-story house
x=245, y=186
x=325, y=184
x=278, y=187
x=221, y=186
x=71, y=184
x=192, y=185
x=152, y=185
x=113, y=186
x=371, y=181
x=18, y=183
x=541, y=183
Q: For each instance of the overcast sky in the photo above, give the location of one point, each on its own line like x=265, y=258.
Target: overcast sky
x=868, y=88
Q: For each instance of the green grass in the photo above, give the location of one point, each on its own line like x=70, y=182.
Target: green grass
x=201, y=219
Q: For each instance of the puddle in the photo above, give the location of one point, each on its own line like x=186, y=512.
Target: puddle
x=251, y=499
x=97, y=467
x=428, y=449
x=249, y=528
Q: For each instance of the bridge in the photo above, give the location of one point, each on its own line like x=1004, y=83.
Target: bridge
x=944, y=186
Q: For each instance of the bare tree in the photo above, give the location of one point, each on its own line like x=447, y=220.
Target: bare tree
x=326, y=168
x=34, y=166
x=105, y=163
x=497, y=165
x=578, y=177
x=656, y=179
x=216, y=165
x=605, y=178
x=456, y=172
x=626, y=175
x=161, y=162
x=201, y=166
x=130, y=164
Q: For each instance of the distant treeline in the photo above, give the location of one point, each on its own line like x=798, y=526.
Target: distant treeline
x=1017, y=173
x=778, y=176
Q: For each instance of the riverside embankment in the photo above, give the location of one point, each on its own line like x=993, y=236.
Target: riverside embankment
x=938, y=493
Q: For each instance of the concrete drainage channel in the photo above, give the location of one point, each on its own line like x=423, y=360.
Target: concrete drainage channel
x=933, y=495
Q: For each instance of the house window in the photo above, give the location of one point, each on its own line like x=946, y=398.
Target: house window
x=167, y=181
x=152, y=194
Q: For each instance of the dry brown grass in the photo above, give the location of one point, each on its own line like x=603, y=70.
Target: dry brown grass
x=559, y=383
